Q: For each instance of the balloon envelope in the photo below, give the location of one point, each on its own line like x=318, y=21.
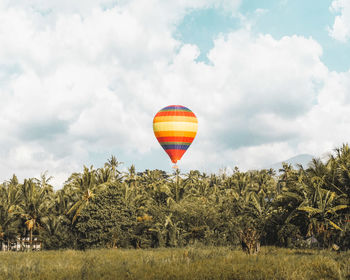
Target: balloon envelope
x=175, y=127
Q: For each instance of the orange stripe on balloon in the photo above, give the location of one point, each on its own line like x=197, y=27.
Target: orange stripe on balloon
x=174, y=119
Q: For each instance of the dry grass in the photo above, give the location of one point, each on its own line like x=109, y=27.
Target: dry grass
x=186, y=263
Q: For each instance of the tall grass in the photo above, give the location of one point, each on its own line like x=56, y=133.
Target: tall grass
x=185, y=263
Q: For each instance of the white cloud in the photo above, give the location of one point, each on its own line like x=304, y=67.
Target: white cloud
x=253, y=98
x=341, y=26
x=82, y=78
x=326, y=125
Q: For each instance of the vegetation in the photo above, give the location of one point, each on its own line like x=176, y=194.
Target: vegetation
x=177, y=263
x=105, y=208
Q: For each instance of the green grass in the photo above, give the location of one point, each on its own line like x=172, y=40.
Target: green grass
x=186, y=263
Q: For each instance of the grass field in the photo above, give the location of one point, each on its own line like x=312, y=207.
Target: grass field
x=186, y=263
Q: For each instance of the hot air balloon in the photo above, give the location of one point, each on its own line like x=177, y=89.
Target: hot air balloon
x=175, y=127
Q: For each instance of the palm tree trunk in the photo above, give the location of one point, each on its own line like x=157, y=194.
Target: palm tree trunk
x=31, y=239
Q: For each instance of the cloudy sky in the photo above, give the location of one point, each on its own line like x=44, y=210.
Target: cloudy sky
x=80, y=80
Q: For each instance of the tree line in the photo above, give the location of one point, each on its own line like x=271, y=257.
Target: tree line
x=105, y=207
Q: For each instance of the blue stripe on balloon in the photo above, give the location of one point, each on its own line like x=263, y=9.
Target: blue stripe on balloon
x=176, y=107
x=175, y=147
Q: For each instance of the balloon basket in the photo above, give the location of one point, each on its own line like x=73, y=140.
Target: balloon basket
x=175, y=166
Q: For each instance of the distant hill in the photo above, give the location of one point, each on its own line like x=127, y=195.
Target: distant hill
x=303, y=159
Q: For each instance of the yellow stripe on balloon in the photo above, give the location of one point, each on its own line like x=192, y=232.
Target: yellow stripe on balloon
x=175, y=119
x=175, y=126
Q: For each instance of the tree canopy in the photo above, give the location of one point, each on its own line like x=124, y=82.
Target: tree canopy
x=105, y=207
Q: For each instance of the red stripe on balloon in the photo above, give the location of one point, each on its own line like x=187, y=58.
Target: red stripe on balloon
x=175, y=113
x=175, y=154
x=175, y=139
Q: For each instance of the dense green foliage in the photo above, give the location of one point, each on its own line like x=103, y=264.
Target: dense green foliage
x=107, y=208
x=180, y=263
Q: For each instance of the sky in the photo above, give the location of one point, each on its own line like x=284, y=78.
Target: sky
x=81, y=80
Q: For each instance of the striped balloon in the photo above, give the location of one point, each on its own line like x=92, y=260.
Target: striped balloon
x=175, y=127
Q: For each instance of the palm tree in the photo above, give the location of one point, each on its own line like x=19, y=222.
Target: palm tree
x=83, y=186
x=10, y=197
x=342, y=169
x=113, y=164
x=131, y=177
x=322, y=210
x=36, y=200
